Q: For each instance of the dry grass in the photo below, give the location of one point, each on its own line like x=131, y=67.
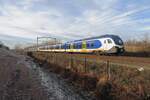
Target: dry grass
x=138, y=47
x=124, y=83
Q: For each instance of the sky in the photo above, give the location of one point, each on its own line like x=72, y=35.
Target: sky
x=21, y=21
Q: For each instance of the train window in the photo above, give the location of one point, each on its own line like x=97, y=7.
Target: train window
x=79, y=46
x=74, y=46
x=109, y=41
x=68, y=46
x=57, y=47
x=92, y=44
x=65, y=46
x=87, y=45
x=105, y=41
x=61, y=46
x=54, y=47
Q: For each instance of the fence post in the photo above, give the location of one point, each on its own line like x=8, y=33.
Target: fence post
x=56, y=58
x=72, y=62
x=53, y=57
x=46, y=57
x=108, y=70
x=85, y=65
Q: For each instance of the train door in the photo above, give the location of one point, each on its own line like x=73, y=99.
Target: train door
x=105, y=45
x=64, y=47
x=71, y=47
x=108, y=44
x=84, y=46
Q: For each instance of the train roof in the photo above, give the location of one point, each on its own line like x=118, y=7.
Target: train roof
x=102, y=36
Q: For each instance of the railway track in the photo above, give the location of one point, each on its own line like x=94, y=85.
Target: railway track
x=125, y=60
x=136, y=62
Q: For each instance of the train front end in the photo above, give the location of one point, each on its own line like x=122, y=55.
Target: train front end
x=119, y=45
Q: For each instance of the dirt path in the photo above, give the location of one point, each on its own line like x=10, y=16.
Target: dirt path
x=17, y=81
x=55, y=85
x=21, y=79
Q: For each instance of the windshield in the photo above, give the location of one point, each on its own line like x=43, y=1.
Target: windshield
x=117, y=40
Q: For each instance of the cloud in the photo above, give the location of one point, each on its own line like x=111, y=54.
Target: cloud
x=73, y=19
x=146, y=28
x=27, y=24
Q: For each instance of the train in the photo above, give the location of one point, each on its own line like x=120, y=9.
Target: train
x=105, y=44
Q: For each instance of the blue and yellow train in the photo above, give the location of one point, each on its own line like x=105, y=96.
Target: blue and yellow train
x=108, y=44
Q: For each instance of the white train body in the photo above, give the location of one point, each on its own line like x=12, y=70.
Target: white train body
x=103, y=44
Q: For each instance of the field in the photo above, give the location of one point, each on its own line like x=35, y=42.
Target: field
x=22, y=79
x=121, y=78
x=64, y=76
x=138, y=48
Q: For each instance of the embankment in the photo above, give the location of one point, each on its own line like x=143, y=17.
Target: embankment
x=17, y=81
x=100, y=80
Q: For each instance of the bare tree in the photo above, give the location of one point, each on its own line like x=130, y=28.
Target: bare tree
x=146, y=42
